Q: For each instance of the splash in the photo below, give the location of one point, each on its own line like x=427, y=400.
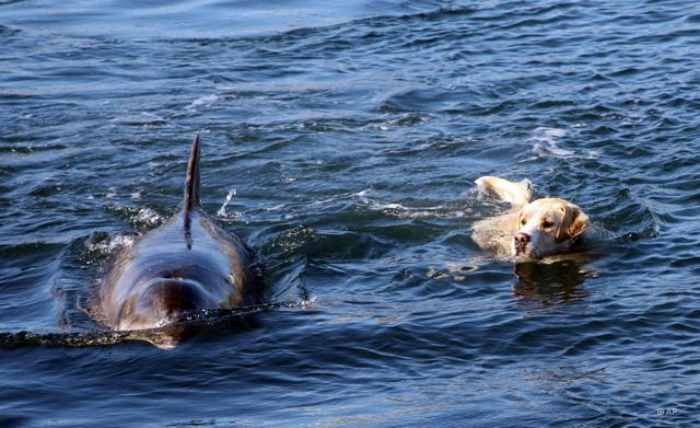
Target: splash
x=223, y=213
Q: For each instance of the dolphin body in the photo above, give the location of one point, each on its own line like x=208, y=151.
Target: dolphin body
x=187, y=264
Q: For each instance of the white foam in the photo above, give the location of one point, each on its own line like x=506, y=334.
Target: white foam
x=546, y=144
x=310, y=300
x=113, y=245
x=402, y=211
x=205, y=100
x=146, y=217
x=121, y=241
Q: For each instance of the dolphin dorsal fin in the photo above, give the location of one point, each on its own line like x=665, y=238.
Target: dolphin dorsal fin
x=191, y=199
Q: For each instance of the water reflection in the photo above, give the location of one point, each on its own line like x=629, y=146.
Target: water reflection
x=205, y=322
x=550, y=283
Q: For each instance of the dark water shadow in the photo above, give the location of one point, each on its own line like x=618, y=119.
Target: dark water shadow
x=187, y=326
x=551, y=283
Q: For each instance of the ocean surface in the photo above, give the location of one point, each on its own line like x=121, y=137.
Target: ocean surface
x=341, y=141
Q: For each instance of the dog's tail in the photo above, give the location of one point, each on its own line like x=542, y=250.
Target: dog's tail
x=517, y=194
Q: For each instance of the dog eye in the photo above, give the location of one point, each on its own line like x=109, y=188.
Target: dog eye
x=523, y=222
x=547, y=224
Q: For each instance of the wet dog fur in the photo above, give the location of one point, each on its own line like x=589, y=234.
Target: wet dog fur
x=531, y=230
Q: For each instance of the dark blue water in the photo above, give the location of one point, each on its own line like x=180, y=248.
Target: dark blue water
x=347, y=137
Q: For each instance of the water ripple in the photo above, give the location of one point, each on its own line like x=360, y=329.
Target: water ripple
x=351, y=135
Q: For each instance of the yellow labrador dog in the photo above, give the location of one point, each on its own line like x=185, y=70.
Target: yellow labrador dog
x=531, y=229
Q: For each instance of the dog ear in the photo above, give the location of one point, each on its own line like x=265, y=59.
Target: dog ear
x=516, y=220
x=573, y=223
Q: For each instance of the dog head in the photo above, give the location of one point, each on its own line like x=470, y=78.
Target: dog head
x=545, y=227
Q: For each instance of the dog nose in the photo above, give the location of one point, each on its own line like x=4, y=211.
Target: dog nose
x=522, y=238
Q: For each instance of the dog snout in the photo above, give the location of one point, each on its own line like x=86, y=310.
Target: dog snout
x=522, y=238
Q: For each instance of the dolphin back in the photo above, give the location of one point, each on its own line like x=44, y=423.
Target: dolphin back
x=159, y=278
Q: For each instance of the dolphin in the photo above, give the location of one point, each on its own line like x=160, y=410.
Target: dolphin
x=188, y=264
